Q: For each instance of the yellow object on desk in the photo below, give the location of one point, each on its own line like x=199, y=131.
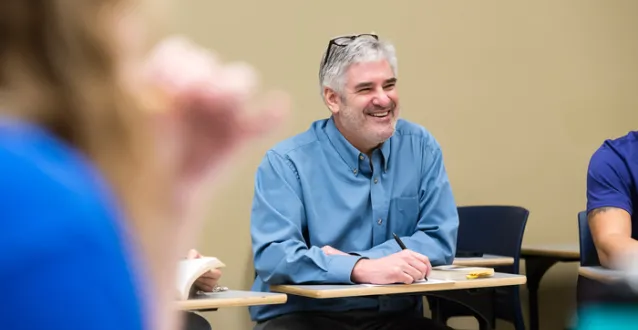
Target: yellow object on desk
x=470, y=272
x=487, y=272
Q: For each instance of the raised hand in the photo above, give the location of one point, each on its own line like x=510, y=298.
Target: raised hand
x=201, y=109
x=207, y=118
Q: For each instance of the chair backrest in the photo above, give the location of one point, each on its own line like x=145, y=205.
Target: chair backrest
x=588, y=253
x=493, y=229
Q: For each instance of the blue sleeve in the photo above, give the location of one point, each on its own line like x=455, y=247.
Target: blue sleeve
x=62, y=263
x=437, y=228
x=277, y=221
x=74, y=289
x=608, y=182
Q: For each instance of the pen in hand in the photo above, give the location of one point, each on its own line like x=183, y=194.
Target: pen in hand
x=396, y=238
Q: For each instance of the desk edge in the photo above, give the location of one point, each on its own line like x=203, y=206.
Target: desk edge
x=194, y=304
x=459, y=285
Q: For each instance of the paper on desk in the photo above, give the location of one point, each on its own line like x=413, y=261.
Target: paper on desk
x=430, y=281
x=459, y=268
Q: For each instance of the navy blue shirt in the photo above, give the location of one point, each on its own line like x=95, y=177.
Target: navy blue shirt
x=64, y=263
x=316, y=189
x=612, y=177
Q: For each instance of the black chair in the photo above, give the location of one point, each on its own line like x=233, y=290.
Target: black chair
x=195, y=322
x=588, y=290
x=490, y=230
x=588, y=253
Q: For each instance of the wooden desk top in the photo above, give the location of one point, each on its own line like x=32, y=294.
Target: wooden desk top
x=231, y=299
x=337, y=291
x=488, y=260
x=599, y=273
x=568, y=251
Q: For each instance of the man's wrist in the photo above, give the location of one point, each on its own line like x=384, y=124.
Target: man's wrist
x=359, y=271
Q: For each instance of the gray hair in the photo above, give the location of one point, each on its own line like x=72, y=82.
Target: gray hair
x=362, y=49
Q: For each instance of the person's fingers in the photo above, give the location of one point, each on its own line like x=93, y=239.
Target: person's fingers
x=176, y=62
x=276, y=106
x=424, y=261
x=222, y=120
x=208, y=281
x=429, y=268
x=205, y=285
x=419, y=256
x=329, y=250
x=193, y=254
x=187, y=72
x=238, y=78
x=419, y=261
x=224, y=107
x=181, y=73
x=228, y=104
x=414, y=273
x=420, y=266
x=209, y=276
x=404, y=278
x=214, y=274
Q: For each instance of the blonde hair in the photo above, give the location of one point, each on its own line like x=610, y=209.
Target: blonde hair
x=58, y=69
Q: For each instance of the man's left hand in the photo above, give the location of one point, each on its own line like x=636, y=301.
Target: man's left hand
x=329, y=250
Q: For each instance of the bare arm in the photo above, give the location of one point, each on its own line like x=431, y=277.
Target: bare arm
x=611, y=231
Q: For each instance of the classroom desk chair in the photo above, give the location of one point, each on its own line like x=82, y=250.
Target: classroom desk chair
x=588, y=253
x=488, y=229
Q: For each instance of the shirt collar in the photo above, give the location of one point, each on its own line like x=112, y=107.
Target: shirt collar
x=347, y=151
x=385, y=152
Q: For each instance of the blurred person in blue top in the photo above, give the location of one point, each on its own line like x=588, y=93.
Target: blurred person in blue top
x=328, y=200
x=105, y=160
x=612, y=198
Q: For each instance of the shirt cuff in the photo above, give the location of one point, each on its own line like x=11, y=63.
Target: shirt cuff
x=376, y=253
x=340, y=268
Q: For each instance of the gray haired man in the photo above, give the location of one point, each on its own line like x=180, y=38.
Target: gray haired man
x=328, y=200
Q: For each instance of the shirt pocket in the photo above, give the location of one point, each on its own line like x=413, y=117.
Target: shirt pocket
x=404, y=215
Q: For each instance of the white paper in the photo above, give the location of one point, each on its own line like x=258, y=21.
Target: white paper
x=188, y=270
x=430, y=281
x=461, y=268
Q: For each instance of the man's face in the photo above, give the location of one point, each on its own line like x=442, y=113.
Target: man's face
x=369, y=107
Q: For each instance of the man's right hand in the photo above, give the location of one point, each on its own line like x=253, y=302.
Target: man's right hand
x=402, y=267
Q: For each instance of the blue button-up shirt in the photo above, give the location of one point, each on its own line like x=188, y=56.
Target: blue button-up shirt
x=316, y=189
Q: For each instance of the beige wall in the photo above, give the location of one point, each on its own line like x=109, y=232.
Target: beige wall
x=518, y=94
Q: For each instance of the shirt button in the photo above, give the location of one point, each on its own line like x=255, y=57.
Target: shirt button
x=361, y=157
x=380, y=221
x=376, y=180
x=354, y=171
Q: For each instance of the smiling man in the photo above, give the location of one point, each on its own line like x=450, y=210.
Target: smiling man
x=328, y=200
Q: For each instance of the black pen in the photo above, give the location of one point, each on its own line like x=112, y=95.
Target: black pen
x=396, y=238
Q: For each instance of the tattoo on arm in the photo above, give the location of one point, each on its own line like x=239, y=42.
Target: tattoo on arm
x=599, y=210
